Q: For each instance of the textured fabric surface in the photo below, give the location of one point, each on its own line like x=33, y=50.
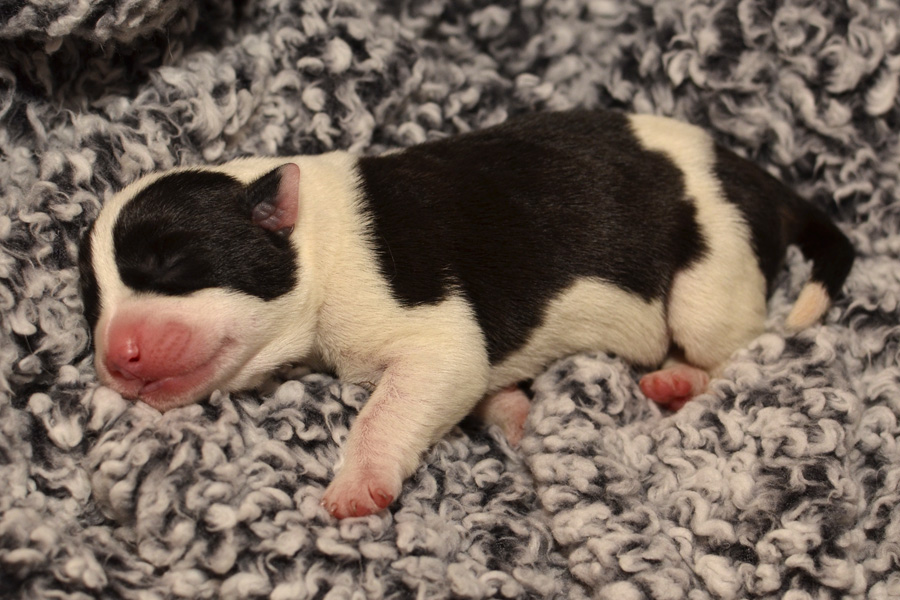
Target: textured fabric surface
x=782, y=481
x=53, y=21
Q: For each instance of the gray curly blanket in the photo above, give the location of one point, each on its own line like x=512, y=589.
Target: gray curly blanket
x=781, y=481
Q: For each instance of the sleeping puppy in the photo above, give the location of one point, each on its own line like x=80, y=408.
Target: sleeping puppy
x=442, y=274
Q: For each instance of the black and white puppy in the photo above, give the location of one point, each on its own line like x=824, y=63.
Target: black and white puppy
x=444, y=273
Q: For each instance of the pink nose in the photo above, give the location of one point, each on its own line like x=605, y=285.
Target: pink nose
x=124, y=357
x=149, y=351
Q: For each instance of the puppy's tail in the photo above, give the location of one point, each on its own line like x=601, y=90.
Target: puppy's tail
x=832, y=257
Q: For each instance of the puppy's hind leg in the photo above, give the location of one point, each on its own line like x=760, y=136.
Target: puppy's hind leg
x=712, y=312
x=507, y=408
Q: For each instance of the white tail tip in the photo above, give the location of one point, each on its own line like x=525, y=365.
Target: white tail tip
x=809, y=308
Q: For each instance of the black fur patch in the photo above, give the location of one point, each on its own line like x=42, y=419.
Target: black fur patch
x=90, y=294
x=512, y=215
x=761, y=199
x=192, y=230
x=825, y=245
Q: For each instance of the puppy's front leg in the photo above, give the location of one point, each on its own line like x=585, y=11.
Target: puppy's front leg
x=413, y=406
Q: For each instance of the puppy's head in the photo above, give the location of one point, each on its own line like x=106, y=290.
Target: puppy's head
x=190, y=281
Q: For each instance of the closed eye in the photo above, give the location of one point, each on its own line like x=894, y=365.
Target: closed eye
x=165, y=271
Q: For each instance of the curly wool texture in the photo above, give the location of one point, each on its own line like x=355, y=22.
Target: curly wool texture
x=781, y=481
x=51, y=21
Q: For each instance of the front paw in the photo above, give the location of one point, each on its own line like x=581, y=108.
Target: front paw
x=360, y=492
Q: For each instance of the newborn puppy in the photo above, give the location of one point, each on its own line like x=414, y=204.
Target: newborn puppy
x=444, y=273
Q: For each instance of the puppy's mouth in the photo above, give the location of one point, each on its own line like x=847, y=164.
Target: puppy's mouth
x=179, y=388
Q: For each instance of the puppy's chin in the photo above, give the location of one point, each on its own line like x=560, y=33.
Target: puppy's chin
x=167, y=404
x=163, y=395
x=170, y=392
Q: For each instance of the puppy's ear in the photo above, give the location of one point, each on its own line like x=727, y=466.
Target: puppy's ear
x=274, y=199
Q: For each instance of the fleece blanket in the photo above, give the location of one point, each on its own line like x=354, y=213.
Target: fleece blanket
x=781, y=481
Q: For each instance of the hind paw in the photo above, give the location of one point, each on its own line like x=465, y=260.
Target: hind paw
x=508, y=409
x=674, y=386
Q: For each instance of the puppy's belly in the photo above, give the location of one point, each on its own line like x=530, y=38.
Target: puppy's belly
x=590, y=315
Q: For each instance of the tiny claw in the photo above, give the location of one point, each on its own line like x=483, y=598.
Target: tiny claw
x=382, y=499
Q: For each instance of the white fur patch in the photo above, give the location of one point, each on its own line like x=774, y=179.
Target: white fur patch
x=718, y=304
x=591, y=315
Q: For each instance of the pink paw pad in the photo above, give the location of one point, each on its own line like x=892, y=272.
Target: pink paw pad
x=674, y=386
x=351, y=497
